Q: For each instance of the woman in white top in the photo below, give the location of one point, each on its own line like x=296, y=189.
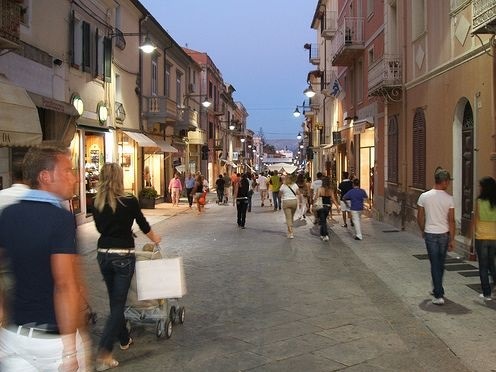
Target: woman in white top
x=289, y=195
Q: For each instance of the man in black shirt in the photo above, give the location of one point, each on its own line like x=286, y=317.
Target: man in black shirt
x=344, y=186
x=220, y=184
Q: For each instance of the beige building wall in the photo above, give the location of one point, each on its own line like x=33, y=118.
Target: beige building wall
x=446, y=68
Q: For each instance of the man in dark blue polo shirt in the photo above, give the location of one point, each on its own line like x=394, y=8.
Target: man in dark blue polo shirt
x=38, y=238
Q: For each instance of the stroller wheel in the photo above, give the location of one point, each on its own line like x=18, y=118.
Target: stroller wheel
x=173, y=314
x=164, y=328
x=182, y=314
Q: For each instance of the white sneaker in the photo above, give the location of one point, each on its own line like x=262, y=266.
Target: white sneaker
x=326, y=238
x=438, y=301
x=486, y=298
x=322, y=237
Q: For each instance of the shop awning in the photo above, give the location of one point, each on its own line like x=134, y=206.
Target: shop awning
x=53, y=104
x=359, y=126
x=164, y=146
x=19, y=121
x=142, y=139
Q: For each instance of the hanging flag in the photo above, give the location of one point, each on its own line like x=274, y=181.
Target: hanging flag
x=336, y=88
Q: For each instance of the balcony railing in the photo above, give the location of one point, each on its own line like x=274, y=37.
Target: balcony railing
x=384, y=74
x=348, y=41
x=10, y=21
x=330, y=24
x=187, y=118
x=160, y=108
x=484, y=16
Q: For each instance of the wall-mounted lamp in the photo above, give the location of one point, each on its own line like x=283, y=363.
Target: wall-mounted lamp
x=298, y=137
x=102, y=113
x=77, y=102
x=205, y=103
x=57, y=62
x=309, y=92
x=242, y=140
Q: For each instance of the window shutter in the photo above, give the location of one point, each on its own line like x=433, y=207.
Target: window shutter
x=72, y=38
x=86, y=47
x=418, y=166
x=393, y=149
x=107, y=58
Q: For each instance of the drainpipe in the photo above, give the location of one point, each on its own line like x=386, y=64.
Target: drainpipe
x=404, y=165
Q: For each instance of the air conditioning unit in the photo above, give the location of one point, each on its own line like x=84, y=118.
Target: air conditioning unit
x=191, y=88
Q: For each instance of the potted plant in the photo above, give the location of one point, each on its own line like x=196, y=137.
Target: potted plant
x=147, y=197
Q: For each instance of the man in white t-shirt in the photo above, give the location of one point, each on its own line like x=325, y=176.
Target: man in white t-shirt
x=262, y=187
x=436, y=219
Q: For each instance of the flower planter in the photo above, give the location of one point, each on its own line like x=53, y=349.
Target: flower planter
x=147, y=203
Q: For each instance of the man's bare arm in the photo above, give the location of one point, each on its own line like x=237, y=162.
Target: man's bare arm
x=421, y=218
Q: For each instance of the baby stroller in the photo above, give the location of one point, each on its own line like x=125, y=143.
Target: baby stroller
x=163, y=313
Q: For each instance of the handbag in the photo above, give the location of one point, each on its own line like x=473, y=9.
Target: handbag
x=202, y=198
x=162, y=278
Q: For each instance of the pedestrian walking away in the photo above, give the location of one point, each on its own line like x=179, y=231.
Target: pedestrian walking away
x=241, y=190
x=189, y=184
x=356, y=197
x=262, y=186
x=484, y=230
x=436, y=220
x=323, y=202
x=114, y=215
x=276, y=181
x=219, y=185
x=344, y=186
x=289, y=193
x=45, y=329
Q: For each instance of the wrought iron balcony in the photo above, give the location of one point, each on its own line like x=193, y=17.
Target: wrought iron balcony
x=10, y=21
x=483, y=17
x=219, y=144
x=159, y=108
x=384, y=75
x=329, y=24
x=313, y=53
x=187, y=118
x=348, y=42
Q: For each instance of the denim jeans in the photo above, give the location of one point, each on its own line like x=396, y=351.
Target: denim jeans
x=220, y=196
x=277, y=200
x=485, y=255
x=323, y=213
x=437, y=248
x=117, y=273
x=241, y=206
x=189, y=193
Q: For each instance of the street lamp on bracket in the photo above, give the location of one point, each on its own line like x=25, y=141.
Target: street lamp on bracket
x=146, y=47
x=205, y=103
x=297, y=113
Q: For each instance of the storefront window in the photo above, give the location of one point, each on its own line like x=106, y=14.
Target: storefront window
x=127, y=160
x=153, y=170
x=94, y=155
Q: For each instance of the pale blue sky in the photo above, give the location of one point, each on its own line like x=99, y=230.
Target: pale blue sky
x=257, y=45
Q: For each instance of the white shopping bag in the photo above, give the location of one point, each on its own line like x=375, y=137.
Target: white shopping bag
x=163, y=278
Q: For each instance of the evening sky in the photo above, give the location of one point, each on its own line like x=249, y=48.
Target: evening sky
x=258, y=47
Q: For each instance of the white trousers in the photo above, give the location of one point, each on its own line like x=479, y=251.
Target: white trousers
x=19, y=353
x=355, y=217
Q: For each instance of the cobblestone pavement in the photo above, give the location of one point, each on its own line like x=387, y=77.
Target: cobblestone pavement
x=258, y=301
